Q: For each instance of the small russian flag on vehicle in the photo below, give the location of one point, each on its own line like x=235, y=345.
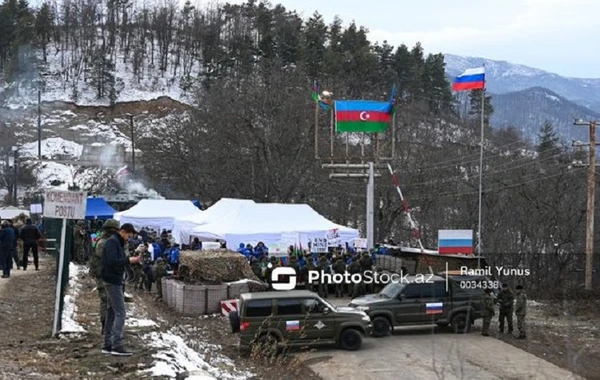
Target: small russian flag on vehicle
x=292, y=325
x=434, y=308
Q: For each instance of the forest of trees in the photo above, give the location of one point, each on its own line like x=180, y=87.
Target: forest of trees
x=251, y=131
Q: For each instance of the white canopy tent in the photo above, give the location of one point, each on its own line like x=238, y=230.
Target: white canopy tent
x=11, y=212
x=156, y=213
x=270, y=223
x=220, y=209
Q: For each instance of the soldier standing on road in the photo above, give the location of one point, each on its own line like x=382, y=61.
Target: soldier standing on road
x=521, y=311
x=339, y=268
x=109, y=228
x=159, y=270
x=79, y=242
x=505, y=300
x=310, y=266
x=323, y=268
x=487, y=311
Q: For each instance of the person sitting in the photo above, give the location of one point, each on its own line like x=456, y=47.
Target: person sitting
x=196, y=245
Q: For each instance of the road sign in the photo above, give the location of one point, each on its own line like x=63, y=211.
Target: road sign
x=65, y=204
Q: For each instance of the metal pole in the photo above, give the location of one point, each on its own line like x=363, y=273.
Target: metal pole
x=132, y=144
x=59, y=280
x=370, y=207
x=332, y=131
x=479, y=239
x=316, y=130
x=15, y=173
x=39, y=125
x=591, y=200
x=393, y=135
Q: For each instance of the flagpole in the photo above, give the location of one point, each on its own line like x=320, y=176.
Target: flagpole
x=479, y=239
x=316, y=130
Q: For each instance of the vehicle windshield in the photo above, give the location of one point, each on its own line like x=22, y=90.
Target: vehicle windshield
x=391, y=290
x=327, y=304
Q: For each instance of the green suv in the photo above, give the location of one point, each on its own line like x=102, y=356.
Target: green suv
x=425, y=300
x=297, y=318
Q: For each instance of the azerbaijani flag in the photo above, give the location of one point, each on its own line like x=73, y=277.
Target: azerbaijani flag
x=470, y=79
x=455, y=241
x=362, y=116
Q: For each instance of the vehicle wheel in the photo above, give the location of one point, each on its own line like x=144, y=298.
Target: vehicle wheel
x=381, y=327
x=350, y=340
x=266, y=345
x=234, y=321
x=461, y=323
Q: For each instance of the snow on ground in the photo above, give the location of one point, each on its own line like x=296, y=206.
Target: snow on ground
x=175, y=356
x=52, y=148
x=68, y=323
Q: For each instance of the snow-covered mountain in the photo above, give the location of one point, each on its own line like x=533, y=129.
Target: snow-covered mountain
x=504, y=77
x=527, y=110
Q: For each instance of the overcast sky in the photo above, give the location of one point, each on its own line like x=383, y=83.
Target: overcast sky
x=561, y=36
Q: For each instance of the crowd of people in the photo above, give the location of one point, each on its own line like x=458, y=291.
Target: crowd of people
x=10, y=238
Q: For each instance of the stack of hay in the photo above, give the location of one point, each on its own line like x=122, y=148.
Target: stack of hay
x=214, y=267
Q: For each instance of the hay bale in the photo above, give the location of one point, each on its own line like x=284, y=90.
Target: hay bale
x=213, y=267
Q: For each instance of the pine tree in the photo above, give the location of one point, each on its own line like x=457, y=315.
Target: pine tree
x=102, y=75
x=315, y=36
x=475, y=106
x=548, y=138
x=44, y=23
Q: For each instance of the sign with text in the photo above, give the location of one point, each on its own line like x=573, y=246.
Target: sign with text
x=360, y=243
x=319, y=245
x=278, y=250
x=333, y=237
x=65, y=204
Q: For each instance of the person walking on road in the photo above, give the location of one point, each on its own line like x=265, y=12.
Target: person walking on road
x=521, y=312
x=30, y=235
x=15, y=250
x=487, y=311
x=7, y=237
x=506, y=300
x=114, y=263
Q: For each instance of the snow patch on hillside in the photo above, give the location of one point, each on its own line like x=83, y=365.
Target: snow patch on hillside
x=54, y=147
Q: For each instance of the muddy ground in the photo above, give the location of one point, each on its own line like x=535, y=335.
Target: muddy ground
x=29, y=352
x=564, y=333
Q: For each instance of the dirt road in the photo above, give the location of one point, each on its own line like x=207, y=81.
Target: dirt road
x=418, y=354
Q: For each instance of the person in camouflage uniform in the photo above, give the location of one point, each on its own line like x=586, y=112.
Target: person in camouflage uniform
x=339, y=268
x=324, y=268
x=79, y=242
x=366, y=264
x=356, y=290
x=505, y=300
x=521, y=311
x=159, y=270
x=109, y=228
x=487, y=311
x=310, y=265
x=272, y=265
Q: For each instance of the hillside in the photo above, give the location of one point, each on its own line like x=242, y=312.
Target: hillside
x=504, y=77
x=534, y=106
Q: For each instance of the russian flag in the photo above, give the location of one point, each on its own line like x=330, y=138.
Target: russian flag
x=292, y=325
x=434, y=308
x=455, y=241
x=471, y=79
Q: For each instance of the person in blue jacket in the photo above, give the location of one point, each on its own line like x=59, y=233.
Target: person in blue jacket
x=174, y=258
x=241, y=248
x=7, y=238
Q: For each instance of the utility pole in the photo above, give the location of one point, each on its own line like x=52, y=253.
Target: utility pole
x=132, y=143
x=591, y=202
x=39, y=125
x=359, y=173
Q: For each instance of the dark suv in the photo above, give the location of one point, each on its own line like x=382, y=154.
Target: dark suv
x=297, y=318
x=424, y=300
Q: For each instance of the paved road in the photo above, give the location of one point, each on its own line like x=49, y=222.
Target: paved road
x=416, y=353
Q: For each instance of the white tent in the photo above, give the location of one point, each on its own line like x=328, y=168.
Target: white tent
x=156, y=213
x=220, y=209
x=269, y=223
x=11, y=212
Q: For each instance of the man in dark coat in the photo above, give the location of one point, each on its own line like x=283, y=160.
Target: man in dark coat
x=114, y=263
x=30, y=236
x=15, y=251
x=7, y=237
